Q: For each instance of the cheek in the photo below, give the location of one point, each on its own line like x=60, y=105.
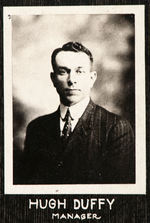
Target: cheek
x=60, y=82
x=86, y=83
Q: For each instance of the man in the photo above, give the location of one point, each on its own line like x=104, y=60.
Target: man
x=80, y=143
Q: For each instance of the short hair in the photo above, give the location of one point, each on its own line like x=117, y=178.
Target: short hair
x=71, y=46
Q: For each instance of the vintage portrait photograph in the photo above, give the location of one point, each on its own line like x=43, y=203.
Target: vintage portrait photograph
x=74, y=100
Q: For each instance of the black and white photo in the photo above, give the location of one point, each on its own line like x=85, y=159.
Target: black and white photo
x=75, y=77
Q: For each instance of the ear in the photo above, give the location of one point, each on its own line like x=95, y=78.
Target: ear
x=52, y=76
x=93, y=76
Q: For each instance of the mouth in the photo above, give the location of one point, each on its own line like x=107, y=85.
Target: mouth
x=72, y=91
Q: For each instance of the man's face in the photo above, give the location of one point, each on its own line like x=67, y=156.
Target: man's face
x=72, y=77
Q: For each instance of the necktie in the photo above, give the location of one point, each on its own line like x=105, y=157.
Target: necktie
x=67, y=127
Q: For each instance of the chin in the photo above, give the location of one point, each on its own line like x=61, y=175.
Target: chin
x=69, y=101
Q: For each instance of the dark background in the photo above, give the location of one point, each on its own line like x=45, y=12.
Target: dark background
x=14, y=208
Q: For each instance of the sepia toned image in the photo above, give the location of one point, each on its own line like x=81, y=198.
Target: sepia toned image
x=74, y=94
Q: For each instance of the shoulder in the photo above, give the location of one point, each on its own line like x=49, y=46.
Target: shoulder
x=42, y=121
x=105, y=115
x=110, y=120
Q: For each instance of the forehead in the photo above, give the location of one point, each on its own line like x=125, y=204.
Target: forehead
x=73, y=59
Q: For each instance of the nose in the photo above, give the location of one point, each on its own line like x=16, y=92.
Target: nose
x=72, y=78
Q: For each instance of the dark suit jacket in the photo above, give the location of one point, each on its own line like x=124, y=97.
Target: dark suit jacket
x=100, y=150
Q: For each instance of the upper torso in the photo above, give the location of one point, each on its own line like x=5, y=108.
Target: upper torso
x=98, y=138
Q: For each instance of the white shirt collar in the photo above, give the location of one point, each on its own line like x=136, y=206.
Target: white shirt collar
x=76, y=110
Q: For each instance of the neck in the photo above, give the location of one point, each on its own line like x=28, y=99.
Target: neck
x=67, y=104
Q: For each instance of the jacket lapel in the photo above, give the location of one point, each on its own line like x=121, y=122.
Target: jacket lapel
x=83, y=127
x=53, y=132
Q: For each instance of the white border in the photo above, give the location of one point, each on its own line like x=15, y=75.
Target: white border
x=140, y=186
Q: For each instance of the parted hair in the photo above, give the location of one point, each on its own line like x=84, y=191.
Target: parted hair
x=71, y=46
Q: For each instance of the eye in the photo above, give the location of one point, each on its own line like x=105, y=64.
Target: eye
x=62, y=71
x=80, y=71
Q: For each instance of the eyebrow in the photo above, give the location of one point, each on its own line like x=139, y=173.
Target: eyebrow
x=62, y=67
x=79, y=67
